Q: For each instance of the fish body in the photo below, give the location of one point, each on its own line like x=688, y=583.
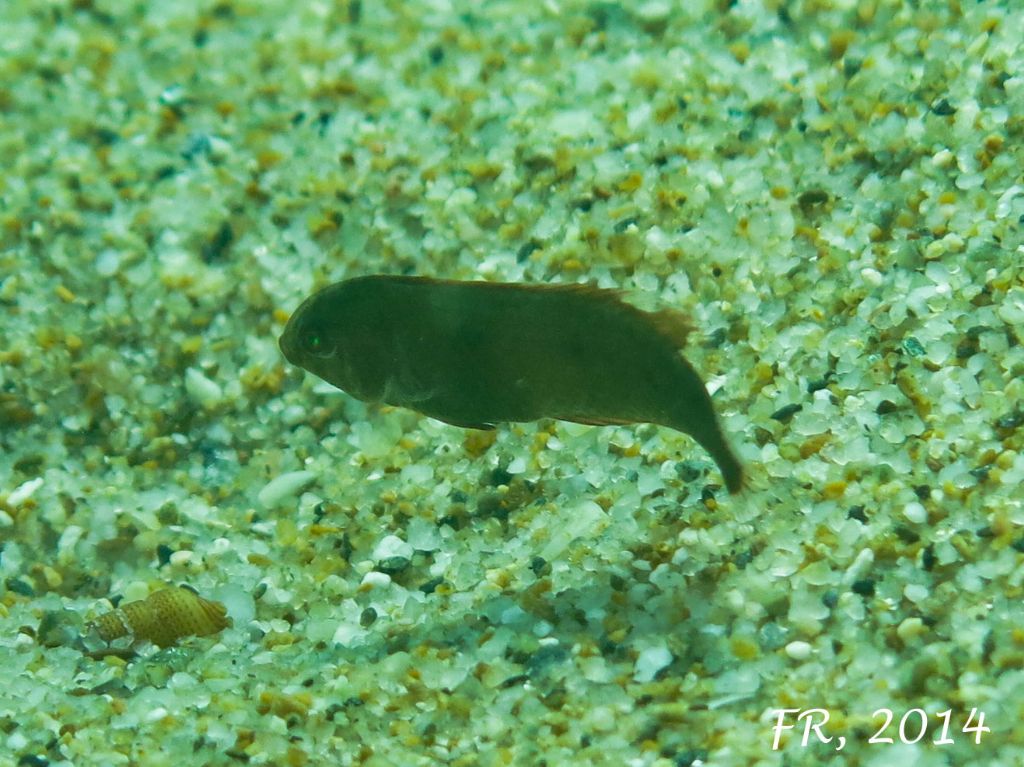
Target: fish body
x=474, y=354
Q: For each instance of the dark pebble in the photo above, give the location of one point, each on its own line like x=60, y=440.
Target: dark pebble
x=514, y=681
x=163, y=554
x=821, y=383
x=689, y=471
x=690, y=757
x=18, y=586
x=928, y=559
x=716, y=338
x=500, y=476
x=526, y=250
x=431, y=585
x=812, y=197
x=865, y=587
x=393, y=565
x=906, y=535
x=624, y=224
x=980, y=473
x=196, y=145
x=783, y=414
x=545, y=656
x=886, y=406
x=219, y=243
x=1010, y=420
x=913, y=346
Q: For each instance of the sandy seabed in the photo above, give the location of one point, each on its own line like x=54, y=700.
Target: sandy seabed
x=831, y=191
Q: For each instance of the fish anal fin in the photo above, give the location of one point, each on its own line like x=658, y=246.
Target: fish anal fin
x=590, y=420
x=464, y=424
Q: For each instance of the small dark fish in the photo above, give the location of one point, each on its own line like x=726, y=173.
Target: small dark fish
x=474, y=354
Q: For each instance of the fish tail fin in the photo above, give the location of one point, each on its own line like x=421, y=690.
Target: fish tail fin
x=709, y=436
x=731, y=468
x=693, y=413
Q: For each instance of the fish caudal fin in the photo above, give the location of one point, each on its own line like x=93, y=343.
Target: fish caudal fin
x=709, y=436
x=732, y=471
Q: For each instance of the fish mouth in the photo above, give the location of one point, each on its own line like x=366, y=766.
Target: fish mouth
x=286, y=343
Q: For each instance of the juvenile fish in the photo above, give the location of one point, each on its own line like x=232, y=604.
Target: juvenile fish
x=474, y=354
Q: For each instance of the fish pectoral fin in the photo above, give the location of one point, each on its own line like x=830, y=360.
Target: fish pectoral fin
x=590, y=420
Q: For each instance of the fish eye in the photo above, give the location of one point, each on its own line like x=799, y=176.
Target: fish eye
x=315, y=342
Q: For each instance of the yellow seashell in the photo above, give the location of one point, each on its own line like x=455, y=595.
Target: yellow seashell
x=163, y=618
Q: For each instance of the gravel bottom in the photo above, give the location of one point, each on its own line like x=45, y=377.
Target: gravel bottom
x=831, y=191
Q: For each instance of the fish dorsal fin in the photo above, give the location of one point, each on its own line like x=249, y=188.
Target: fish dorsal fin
x=587, y=289
x=672, y=324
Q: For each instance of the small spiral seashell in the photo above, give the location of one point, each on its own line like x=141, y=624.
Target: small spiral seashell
x=163, y=618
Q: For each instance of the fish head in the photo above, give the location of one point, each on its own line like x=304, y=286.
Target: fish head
x=312, y=339
x=327, y=336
